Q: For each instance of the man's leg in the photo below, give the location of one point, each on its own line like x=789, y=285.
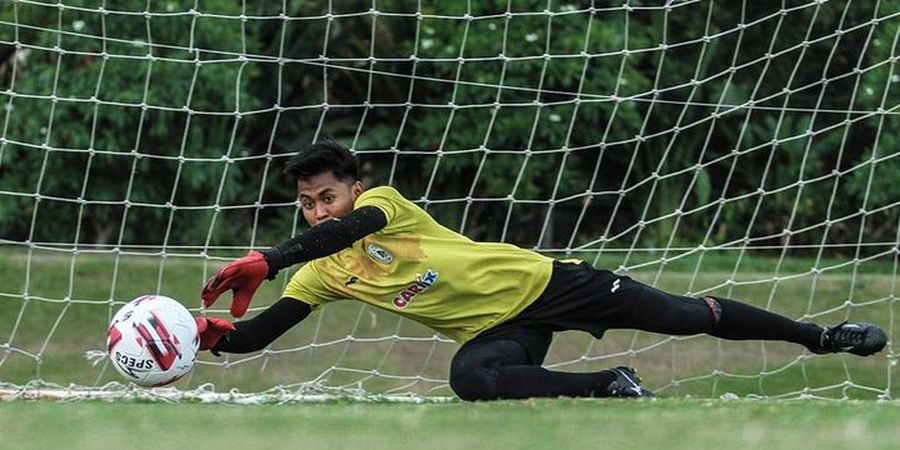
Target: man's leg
x=581, y=297
x=503, y=369
x=653, y=310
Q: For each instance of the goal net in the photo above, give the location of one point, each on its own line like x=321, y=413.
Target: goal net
x=744, y=149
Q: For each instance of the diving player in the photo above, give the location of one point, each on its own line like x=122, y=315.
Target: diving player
x=501, y=302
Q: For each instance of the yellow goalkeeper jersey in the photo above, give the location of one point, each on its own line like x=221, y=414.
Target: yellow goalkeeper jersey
x=419, y=269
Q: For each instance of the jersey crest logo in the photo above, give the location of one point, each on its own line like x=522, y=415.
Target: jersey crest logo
x=422, y=283
x=379, y=254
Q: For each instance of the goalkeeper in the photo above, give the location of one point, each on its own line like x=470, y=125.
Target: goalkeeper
x=502, y=303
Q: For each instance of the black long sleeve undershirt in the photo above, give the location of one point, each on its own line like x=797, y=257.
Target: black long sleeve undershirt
x=319, y=241
x=325, y=239
x=260, y=331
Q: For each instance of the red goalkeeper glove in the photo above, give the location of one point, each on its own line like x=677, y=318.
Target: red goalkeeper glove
x=243, y=276
x=211, y=329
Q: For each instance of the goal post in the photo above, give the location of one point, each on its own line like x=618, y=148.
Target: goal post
x=743, y=149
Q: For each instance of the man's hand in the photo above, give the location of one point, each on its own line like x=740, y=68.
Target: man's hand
x=211, y=329
x=243, y=276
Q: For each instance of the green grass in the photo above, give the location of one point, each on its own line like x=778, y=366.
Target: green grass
x=72, y=298
x=69, y=306
x=534, y=424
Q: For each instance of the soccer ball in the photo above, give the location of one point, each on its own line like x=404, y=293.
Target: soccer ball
x=153, y=340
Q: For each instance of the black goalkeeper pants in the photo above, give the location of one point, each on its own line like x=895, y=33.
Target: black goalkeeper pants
x=504, y=362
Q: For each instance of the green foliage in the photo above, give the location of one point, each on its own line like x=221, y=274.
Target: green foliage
x=112, y=109
x=488, y=116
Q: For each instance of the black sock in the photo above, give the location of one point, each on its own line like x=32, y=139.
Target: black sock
x=535, y=381
x=741, y=321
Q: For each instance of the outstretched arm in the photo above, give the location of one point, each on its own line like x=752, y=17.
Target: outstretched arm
x=244, y=275
x=219, y=335
x=325, y=239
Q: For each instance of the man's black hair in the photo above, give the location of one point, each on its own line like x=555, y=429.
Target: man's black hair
x=324, y=156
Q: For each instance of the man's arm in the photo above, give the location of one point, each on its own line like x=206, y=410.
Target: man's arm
x=325, y=239
x=254, y=334
x=244, y=275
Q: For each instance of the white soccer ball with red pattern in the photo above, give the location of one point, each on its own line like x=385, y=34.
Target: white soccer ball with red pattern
x=153, y=340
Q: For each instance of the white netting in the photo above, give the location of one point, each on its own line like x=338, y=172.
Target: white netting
x=747, y=149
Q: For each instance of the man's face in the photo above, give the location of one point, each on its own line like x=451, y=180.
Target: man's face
x=324, y=197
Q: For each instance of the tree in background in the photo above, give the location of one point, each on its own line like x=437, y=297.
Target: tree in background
x=448, y=108
x=139, y=111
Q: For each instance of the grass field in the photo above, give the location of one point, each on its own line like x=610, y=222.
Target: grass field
x=535, y=424
x=70, y=300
